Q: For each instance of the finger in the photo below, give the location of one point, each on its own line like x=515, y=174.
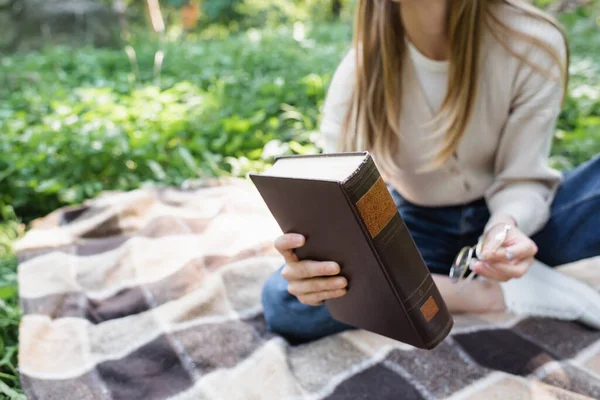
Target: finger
x=494, y=239
x=317, y=299
x=309, y=269
x=516, y=270
x=316, y=285
x=484, y=269
x=286, y=243
x=518, y=251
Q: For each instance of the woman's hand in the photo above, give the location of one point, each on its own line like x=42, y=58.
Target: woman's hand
x=311, y=282
x=510, y=261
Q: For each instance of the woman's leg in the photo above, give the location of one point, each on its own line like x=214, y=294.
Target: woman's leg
x=440, y=233
x=573, y=230
x=481, y=296
x=287, y=316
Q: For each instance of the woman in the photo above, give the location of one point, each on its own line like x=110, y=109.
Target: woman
x=456, y=100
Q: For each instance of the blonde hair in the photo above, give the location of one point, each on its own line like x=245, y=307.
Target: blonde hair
x=373, y=119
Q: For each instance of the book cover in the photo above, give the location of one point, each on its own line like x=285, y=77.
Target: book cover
x=341, y=204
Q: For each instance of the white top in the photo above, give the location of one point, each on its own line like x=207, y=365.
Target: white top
x=503, y=155
x=432, y=76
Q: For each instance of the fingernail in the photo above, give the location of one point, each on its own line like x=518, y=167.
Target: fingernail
x=298, y=240
x=332, y=268
x=340, y=283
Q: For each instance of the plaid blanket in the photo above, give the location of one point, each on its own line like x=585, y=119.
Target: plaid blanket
x=155, y=294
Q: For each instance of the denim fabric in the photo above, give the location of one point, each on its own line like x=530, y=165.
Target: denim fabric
x=572, y=233
x=288, y=317
x=573, y=230
x=440, y=232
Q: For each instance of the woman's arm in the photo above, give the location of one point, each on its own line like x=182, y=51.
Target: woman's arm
x=525, y=183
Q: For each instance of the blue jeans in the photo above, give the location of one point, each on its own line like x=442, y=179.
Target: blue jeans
x=572, y=233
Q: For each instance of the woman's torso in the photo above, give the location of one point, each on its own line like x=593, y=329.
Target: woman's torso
x=473, y=169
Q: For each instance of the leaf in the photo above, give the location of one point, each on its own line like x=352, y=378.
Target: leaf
x=48, y=186
x=12, y=394
x=300, y=149
x=7, y=292
x=8, y=355
x=236, y=125
x=157, y=169
x=70, y=195
x=219, y=142
x=212, y=164
x=234, y=144
x=189, y=160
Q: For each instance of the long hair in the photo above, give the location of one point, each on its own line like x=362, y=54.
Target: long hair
x=373, y=119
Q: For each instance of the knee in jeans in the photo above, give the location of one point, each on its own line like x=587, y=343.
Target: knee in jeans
x=287, y=316
x=273, y=300
x=283, y=312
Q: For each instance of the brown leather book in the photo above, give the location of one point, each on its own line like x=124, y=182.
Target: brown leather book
x=341, y=204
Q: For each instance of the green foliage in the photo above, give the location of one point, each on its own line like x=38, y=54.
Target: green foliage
x=244, y=14
x=221, y=10
x=543, y=3
x=578, y=131
x=75, y=123
x=9, y=307
x=234, y=16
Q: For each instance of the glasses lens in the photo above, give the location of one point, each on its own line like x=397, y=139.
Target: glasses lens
x=461, y=264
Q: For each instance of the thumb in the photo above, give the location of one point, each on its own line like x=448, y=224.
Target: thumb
x=286, y=244
x=493, y=240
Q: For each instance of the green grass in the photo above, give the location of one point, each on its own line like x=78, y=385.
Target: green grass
x=9, y=307
x=76, y=122
x=578, y=134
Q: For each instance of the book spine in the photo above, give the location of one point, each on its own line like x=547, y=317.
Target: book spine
x=399, y=257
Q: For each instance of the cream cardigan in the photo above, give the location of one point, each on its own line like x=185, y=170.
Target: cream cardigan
x=503, y=156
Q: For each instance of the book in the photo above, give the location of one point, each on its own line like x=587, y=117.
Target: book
x=342, y=206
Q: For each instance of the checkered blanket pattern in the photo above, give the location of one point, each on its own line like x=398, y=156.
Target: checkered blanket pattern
x=155, y=294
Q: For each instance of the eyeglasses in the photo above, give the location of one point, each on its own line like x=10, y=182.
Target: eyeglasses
x=468, y=255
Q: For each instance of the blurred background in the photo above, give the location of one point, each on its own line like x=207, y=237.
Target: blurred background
x=100, y=95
